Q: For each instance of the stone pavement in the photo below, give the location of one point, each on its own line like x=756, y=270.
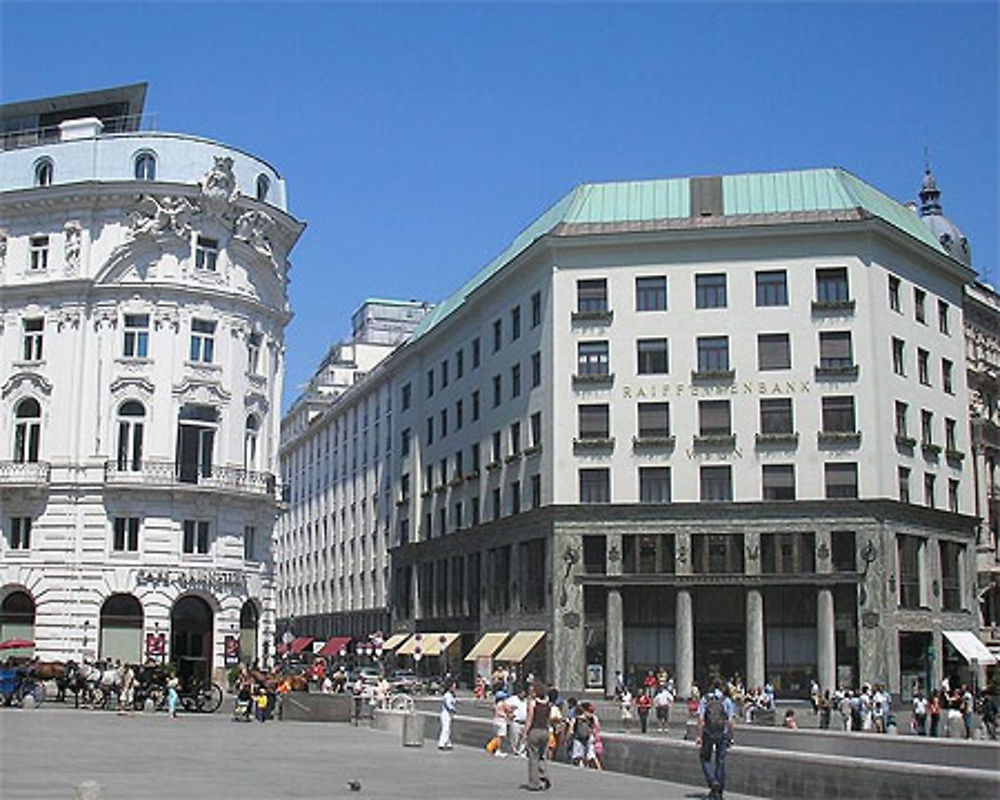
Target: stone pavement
x=46, y=752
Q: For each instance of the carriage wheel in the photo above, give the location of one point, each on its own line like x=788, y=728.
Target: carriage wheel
x=99, y=698
x=401, y=702
x=38, y=692
x=159, y=699
x=210, y=698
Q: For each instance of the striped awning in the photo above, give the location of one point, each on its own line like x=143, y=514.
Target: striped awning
x=334, y=646
x=394, y=641
x=520, y=644
x=301, y=644
x=487, y=645
x=430, y=644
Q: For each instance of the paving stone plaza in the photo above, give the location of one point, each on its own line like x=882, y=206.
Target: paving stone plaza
x=47, y=752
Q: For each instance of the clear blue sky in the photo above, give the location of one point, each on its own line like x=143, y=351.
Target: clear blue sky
x=417, y=140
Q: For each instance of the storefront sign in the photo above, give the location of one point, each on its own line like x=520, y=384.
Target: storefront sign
x=214, y=580
x=668, y=390
x=156, y=644
x=232, y=650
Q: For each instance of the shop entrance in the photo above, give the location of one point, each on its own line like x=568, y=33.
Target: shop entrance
x=719, y=633
x=17, y=621
x=249, y=617
x=121, y=629
x=191, y=638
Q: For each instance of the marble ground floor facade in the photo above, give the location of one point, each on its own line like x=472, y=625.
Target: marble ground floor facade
x=846, y=592
x=180, y=575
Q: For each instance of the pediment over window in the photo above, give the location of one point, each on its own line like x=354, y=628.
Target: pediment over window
x=201, y=392
x=26, y=380
x=257, y=403
x=123, y=386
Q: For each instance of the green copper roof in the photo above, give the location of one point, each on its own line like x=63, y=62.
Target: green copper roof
x=631, y=205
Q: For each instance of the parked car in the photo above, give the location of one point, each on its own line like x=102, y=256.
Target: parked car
x=369, y=675
x=406, y=680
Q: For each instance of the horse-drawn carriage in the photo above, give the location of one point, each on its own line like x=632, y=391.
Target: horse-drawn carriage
x=17, y=683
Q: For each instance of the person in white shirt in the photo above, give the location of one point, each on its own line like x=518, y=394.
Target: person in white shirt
x=661, y=702
x=920, y=713
x=518, y=706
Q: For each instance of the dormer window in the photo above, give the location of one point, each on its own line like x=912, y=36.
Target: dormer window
x=145, y=167
x=43, y=172
x=263, y=187
x=206, y=253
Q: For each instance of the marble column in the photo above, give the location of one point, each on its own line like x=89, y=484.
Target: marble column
x=684, y=643
x=614, y=632
x=755, y=639
x=826, y=641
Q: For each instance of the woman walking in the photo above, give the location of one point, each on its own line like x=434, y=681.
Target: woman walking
x=537, y=726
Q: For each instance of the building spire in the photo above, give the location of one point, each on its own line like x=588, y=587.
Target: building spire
x=929, y=193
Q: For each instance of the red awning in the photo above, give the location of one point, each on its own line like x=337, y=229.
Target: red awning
x=300, y=644
x=334, y=646
x=280, y=649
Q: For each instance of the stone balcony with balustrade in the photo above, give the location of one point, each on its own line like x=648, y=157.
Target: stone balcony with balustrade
x=25, y=475
x=153, y=474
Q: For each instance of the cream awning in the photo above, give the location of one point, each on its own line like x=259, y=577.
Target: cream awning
x=521, y=643
x=436, y=643
x=487, y=645
x=394, y=641
x=406, y=648
x=971, y=647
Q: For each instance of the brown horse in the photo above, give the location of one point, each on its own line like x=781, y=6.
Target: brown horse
x=271, y=680
x=52, y=671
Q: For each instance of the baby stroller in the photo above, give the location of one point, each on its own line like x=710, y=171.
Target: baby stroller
x=241, y=709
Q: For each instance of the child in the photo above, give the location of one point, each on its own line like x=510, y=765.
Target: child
x=172, y=696
x=260, y=704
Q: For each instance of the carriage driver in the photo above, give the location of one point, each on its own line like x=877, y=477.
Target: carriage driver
x=126, y=699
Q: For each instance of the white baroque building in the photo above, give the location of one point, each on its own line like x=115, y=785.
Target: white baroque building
x=716, y=424
x=143, y=305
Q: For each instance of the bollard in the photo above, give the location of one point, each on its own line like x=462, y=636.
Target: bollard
x=28, y=703
x=88, y=790
x=413, y=730
x=148, y=706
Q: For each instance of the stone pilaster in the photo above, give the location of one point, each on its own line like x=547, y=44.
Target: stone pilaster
x=615, y=633
x=684, y=643
x=755, y=638
x=567, y=652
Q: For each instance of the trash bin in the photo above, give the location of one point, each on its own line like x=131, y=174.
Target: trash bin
x=413, y=730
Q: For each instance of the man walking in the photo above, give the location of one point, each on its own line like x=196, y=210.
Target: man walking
x=715, y=732
x=448, y=707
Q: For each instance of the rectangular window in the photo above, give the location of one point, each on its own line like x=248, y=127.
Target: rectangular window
x=33, y=332
x=497, y=390
x=536, y=309
x=910, y=555
x=536, y=369
x=594, y=421
x=714, y=418
x=515, y=381
x=474, y=454
x=442, y=471
x=592, y=295
x=202, y=341
x=898, y=357
x=842, y=551
x=838, y=414
x=459, y=421
x=713, y=353
x=19, y=536
x=953, y=495
x=926, y=427
x=459, y=364
x=654, y=484
x=716, y=484
x=894, y=293
x=430, y=383
x=474, y=505
x=651, y=293
x=253, y=353
x=495, y=451
x=929, y=499
x=774, y=351
x=444, y=373
x=943, y=323
x=404, y=399
x=952, y=555
x=841, y=480
x=595, y=485
x=136, y=343
x=444, y=423
x=497, y=506
x=831, y=285
x=949, y=435
x=475, y=406
x=497, y=334
x=654, y=420
x=923, y=366
x=835, y=350
x=476, y=353
x=717, y=554
x=515, y=438
x=515, y=323
x=206, y=253
x=592, y=358
x=457, y=517
x=39, y=253
x=919, y=305
x=126, y=535
x=196, y=536
x=776, y=415
x=515, y=497
x=904, y=484
x=536, y=491
x=778, y=482
x=430, y=430
x=249, y=543
x=710, y=290
x=947, y=380
x=902, y=412
x=772, y=288
x=652, y=354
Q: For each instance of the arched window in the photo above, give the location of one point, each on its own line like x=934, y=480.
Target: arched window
x=27, y=430
x=131, y=423
x=145, y=167
x=43, y=172
x=263, y=187
x=250, y=443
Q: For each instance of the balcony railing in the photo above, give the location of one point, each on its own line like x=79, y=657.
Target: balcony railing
x=172, y=474
x=30, y=137
x=18, y=473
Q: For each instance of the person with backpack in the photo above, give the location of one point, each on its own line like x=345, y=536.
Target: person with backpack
x=715, y=733
x=582, y=741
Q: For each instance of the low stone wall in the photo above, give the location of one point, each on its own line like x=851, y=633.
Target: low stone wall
x=315, y=707
x=769, y=772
